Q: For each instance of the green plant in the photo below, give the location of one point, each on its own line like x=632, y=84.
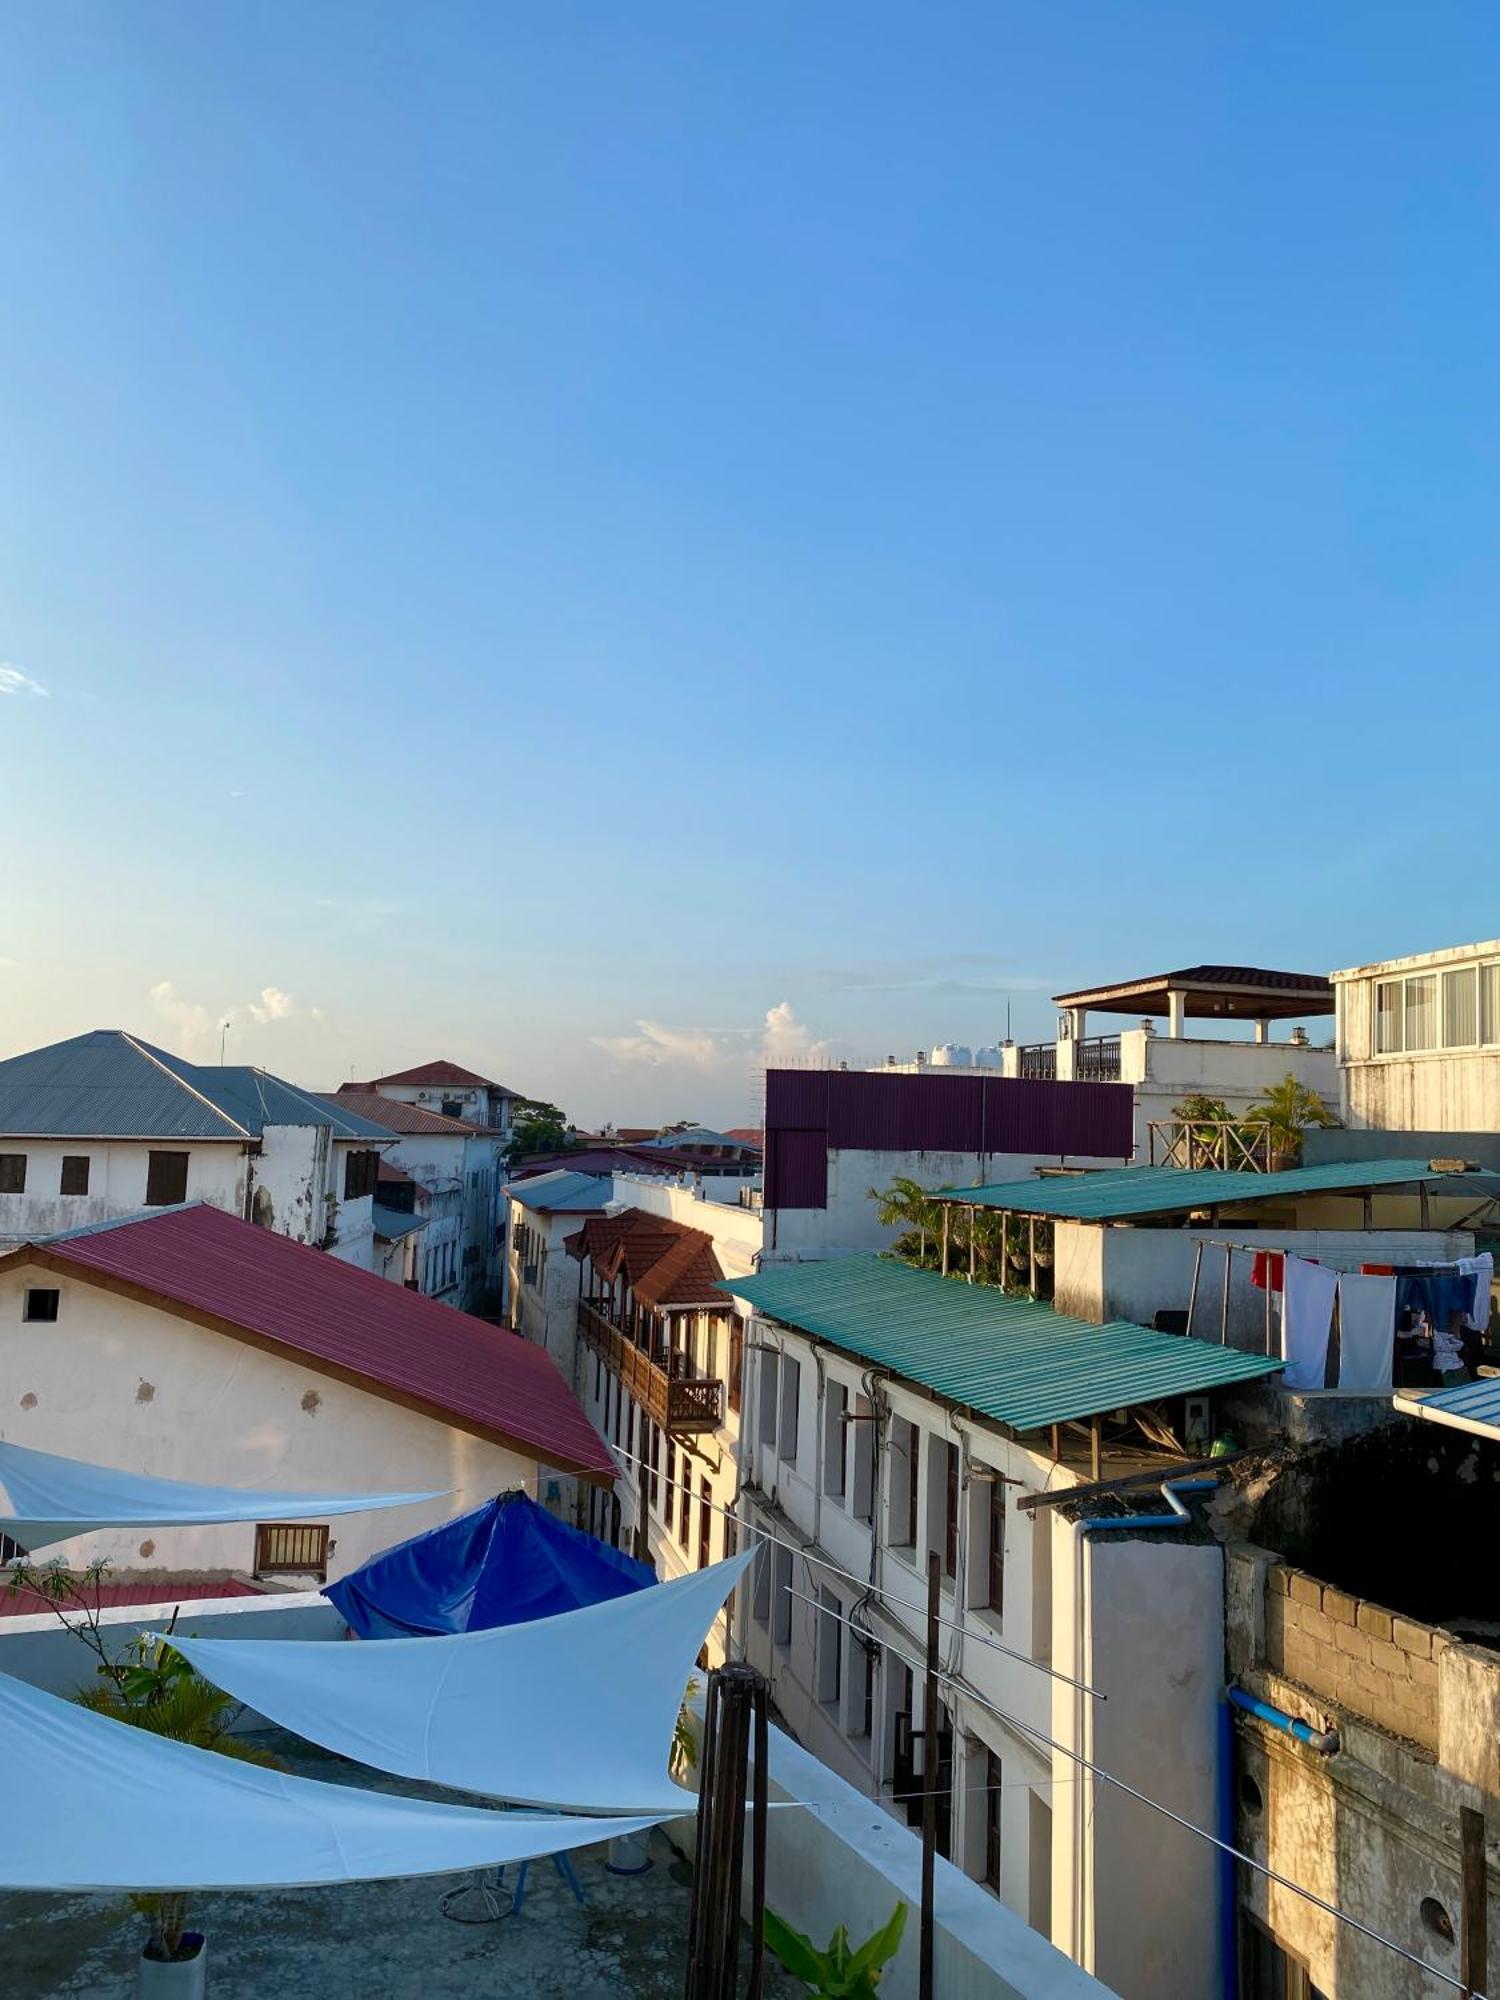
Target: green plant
x=1283, y=1113
x=837, y=1973
x=684, y=1757
x=906, y=1205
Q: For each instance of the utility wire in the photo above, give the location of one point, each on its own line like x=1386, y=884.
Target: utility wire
x=861, y=1583
x=1097, y=1770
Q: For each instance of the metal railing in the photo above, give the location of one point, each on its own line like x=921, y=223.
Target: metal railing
x=678, y=1402
x=1037, y=1062
x=1096, y=1059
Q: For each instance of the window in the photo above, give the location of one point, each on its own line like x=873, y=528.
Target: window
x=863, y=1426
x=736, y=1360
x=862, y=1720
x=452, y=1107
x=12, y=1173
x=1266, y=1971
x=361, y=1172
x=1388, y=1039
x=1039, y=1865
x=1421, y=1013
x=1489, y=1002
x=655, y=1456
x=791, y=1391
x=685, y=1509
x=166, y=1179
x=830, y=1648
x=835, y=1430
x=906, y=1461
x=705, y=1524
x=950, y=1514
x=75, y=1174
x=760, y=1601
x=768, y=1391
x=993, y=1797
x=997, y=1547
x=1461, y=1008
x=781, y=1585
x=41, y=1303
x=291, y=1548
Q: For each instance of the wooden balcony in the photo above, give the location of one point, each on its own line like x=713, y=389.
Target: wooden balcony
x=680, y=1404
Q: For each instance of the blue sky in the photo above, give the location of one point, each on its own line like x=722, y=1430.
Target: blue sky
x=553, y=532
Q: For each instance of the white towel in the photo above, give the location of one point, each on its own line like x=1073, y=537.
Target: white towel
x=1367, y=1331
x=1306, y=1317
x=1483, y=1268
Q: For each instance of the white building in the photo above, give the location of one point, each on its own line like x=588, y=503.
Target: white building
x=1419, y=1041
x=105, y=1125
x=541, y=1280
x=458, y=1166
x=891, y=1414
x=189, y=1345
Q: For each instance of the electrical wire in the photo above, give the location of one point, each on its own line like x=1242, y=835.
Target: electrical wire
x=861, y=1583
x=1109, y=1778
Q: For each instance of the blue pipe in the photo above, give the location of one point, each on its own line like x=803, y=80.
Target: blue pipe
x=1325, y=1741
x=1170, y=1488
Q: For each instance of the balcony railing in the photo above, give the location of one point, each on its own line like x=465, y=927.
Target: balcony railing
x=1037, y=1062
x=1229, y=1146
x=679, y=1403
x=1096, y=1059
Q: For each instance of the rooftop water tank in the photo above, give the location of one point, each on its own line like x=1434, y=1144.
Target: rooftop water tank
x=988, y=1057
x=952, y=1055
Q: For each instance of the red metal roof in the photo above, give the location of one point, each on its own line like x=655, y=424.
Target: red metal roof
x=665, y=1263
x=308, y=1304
x=443, y=1071
x=397, y=1116
x=164, y=1590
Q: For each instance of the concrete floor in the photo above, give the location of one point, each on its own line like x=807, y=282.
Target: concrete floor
x=380, y=1940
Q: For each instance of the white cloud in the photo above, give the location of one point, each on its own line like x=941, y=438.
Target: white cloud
x=780, y=1039
x=13, y=681
x=196, y=1028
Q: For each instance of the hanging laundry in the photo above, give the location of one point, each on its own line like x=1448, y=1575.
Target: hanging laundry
x=1482, y=1270
x=1306, y=1318
x=1268, y=1271
x=1367, y=1330
x=1377, y=1270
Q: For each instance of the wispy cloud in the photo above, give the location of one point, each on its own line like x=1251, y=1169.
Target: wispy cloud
x=780, y=1038
x=196, y=1027
x=13, y=681
x=955, y=973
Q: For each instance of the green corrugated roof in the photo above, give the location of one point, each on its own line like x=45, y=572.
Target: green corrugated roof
x=1118, y=1192
x=1009, y=1358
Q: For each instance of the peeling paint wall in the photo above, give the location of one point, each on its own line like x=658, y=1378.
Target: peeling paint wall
x=117, y=1181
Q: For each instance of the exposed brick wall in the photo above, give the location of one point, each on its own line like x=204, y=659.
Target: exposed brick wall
x=1362, y=1658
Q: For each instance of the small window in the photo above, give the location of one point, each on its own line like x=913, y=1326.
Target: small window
x=75, y=1174
x=41, y=1303
x=166, y=1179
x=452, y=1108
x=830, y=1648
x=361, y=1172
x=997, y=1547
x=791, y=1387
x=1388, y=1003
x=12, y=1173
x=835, y=1438
x=1421, y=1013
x=1461, y=1008
x=291, y=1548
x=705, y=1524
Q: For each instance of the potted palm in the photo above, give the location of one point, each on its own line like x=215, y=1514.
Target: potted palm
x=1281, y=1114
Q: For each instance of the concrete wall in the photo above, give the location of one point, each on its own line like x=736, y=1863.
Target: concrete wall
x=1140, y=1618
x=545, y=1308
x=1102, y=1272
x=125, y=1384
x=1439, y=1090
x=1373, y=1829
x=117, y=1182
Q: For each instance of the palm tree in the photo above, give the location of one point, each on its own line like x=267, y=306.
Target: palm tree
x=1283, y=1113
x=906, y=1204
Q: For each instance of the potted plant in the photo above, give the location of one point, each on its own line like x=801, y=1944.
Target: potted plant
x=1281, y=1115
x=147, y=1686
x=837, y=1973
x=1204, y=1120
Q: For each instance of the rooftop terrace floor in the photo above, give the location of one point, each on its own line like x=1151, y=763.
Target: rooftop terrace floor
x=380, y=1940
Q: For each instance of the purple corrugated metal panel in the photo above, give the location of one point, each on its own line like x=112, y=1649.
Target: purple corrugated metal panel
x=796, y=1169
x=872, y=1111
x=1077, y=1120
x=796, y=1099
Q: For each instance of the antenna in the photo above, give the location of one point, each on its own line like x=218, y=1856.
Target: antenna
x=223, y=1031
x=1007, y=1017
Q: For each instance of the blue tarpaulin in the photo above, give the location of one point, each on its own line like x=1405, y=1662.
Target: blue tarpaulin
x=505, y=1563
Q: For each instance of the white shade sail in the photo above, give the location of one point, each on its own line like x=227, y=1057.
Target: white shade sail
x=90, y=1803
x=51, y=1499
x=576, y=1710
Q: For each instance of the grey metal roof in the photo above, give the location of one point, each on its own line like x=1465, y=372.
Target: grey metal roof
x=1121, y=1192
x=110, y=1085
x=391, y=1224
x=562, y=1193
x=1007, y=1357
x=1468, y=1406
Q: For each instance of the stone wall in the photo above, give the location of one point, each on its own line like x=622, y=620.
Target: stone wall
x=1360, y=1656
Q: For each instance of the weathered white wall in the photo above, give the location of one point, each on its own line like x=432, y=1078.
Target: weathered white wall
x=1102, y=1273
x=545, y=1307
x=117, y=1182
x=1141, y=1618
x=850, y=1222
x=1440, y=1090
x=125, y=1384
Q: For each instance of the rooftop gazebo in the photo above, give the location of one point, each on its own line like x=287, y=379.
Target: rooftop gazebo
x=1206, y=992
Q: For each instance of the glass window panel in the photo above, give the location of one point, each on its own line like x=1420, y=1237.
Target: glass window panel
x=1388, y=1017
x=1489, y=1002
x=1461, y=1008
x=1421, y=1012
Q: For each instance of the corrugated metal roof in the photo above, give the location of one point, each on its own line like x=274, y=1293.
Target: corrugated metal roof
x=1120, y=1192
x=163, y=1590
x=1009, y=1358
x=1469, y=1406
x=442, y=1072
x=562, y=1193
x=391, y=1224
x=322, y=1311
x=394, y=1114
x=110, y=1085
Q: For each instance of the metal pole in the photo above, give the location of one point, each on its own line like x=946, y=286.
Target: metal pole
x=643, y=1502
x=945, y=1240
x=1193, y=1294
x=1475, y=1945
x=1224, y=1313
x=736, y=1698
x=925, y=1988
x=1270, y=1271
